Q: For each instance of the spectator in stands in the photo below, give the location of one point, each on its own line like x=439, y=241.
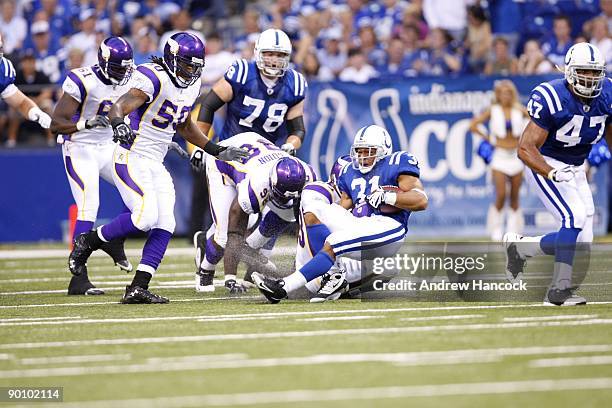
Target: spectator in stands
x=532, y=61
x=396, y=65
x=600, y=37
x=250, y=25
x=387, y=15
x=145, y=45
x=333, y=56
x=452, y=19
x=286, y=17
x=49, y=58
x=35, y=85
x=85, y=39
x=409, y=35
x=506, y=18
x=181, y=21
x=12, y=27
x=606, y=12
x=439, y=59
x=556, y=47
x=218, y=60
x=501, y=62
x=313, y=70
x=358, y=70
x=479, y=38
x=76, y=59
x=370, y=46
x=356, y=16
x=414, y=18
x=59, y=20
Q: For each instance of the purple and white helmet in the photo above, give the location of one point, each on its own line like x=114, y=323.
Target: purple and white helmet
x=116, y=60
x=184, y=57
x=287, y=179
x=336, y=169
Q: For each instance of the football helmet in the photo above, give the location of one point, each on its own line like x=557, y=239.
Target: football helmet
x=116, y=60
x=378, y=143
x=184, y=58
x=276, y=41
x=287, y=179
x=583, y=57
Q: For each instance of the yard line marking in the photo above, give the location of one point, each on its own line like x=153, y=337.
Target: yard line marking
x=27, y=319
x=571, y=361
x=544, y=318
x=95, y=278
x=91, y=358
x=350, y=394
x=238, y=318
x=335, y=318
x=293, y=334
x=198, y=358
x=6, y=356
x=446, y=317
x=202, y=299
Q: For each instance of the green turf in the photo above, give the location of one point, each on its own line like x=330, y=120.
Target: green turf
x=209, y=365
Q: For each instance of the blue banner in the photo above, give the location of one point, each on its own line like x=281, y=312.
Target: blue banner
x=430, y=118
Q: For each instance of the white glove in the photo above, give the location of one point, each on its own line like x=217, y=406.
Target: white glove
x=288, y=148
x=36, y=115
x=561, y=174
x=377, y=197
x=198, y=159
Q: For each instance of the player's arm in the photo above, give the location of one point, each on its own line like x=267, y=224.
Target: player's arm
x=62, y=117
x=295, y=125
x=193, y=134
x=478, y=120
x=219, y=95
x=531, y=140
x=26, y=106
x=126, y=104
x=346, y=201
x=413, y=196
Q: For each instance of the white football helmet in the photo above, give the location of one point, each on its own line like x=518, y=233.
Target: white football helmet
x=582, y=57
x=273, y=40
x=374, y=138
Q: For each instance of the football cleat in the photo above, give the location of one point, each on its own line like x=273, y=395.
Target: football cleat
x=333, y=285
x=204, y=281
x=563, y=297
x=515, y=263
x=82, y=248
x=234, y=287
x=272, y=289
x=80, y=285
x=136, y=294
x=116, y=251
x=199, y=243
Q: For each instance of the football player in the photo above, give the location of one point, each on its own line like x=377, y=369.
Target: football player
x=15, y=98
x=568, y=116
x=158, y=104
x=80, y=120
x=373, y=166
x=264, y=183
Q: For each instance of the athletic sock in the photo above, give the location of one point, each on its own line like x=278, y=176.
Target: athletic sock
x=141, y=279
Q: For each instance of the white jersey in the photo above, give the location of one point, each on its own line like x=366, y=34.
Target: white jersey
x=252, y=177
x=95, y=95
x=167, y=106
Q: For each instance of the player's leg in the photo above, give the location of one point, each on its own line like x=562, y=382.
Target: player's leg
x=83, y=176
x=495, y=216
x=515, y=215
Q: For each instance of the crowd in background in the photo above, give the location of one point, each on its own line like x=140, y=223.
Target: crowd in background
x=346, y=40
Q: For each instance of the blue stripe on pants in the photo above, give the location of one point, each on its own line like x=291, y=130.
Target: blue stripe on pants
x=368, y=237
x=371, y=246
x=535, y=176
x=567, y=207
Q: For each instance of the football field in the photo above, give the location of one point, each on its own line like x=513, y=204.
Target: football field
x=216, y=350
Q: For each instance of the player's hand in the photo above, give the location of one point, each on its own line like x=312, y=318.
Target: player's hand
x=232, y=153
x=122, y=133
x=198, y=159
x=98, y=121
x=288, y=148
x=234, y=287
x=36, y=115
x=377, y=197
x=178, y=149
x=561, y=174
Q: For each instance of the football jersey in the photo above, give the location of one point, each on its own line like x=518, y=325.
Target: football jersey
x=95, y=95
x=167, y=106
x=255, y=107
x=252, y=175
x=385, y=173
x=573, y=127
x=7, y=78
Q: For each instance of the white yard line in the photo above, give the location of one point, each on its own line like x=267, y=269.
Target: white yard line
x=201, y=358
x=351, y=394
x=571, y=361
x=94, y=278
x=5, y=356
x=302, y=334
x=336, y=318
x=30, y=319
x=551, y=317
x=91, y=358
x=202, y=299
x=447, y=317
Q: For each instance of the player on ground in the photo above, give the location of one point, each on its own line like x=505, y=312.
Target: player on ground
x=158, y=104
x=81, y=123
x=15, y=98
x=264, y=183
x=362, y=184
x=568, y=116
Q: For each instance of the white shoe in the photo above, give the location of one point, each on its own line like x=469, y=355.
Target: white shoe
x=333, y=286
x=563, y=297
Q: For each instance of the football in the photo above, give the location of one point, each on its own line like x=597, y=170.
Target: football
x=386, y=208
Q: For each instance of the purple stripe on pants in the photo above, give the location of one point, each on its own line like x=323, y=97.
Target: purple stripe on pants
x=119, y=227
x=124, y=175
x=73, y=174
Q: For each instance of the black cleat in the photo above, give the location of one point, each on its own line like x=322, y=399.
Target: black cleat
x=80, y=285
x=272, y=289
x=333, y=285
x=234, y=287
x=136, y=294
x=116, y=251
x=82, y=248
x=515, y=263
x=563, y=297
x=199, y=243
x=204, y=281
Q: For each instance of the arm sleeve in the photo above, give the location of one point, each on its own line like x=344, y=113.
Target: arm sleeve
x=343, y=183
x=72, y=89
x=299, y=85
x=236, y=74
x=142, y=82
x=539, y=107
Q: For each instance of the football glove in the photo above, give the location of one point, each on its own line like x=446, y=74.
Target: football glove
x=234, y=287
x=36, y=115
x=178, y=149
x=377, y=197
x=288, y=148
x=97, y=121
x=232, y=153
x=198, y=159
x=562, y=174
x=122, y=133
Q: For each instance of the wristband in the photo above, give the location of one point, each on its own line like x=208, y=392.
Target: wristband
x=390, y=198
x=80, y=125
x=551, y=174
x=213, y=149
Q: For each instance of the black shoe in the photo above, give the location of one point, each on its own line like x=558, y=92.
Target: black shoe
x=136, y=294
x=204, y=281
x=116, y=251
x=82, y=248
x=333, y=285
x=80, y=285
x=563, y=297
x=272, y=289
x=515, y=263
x=234, y=287
x=199, y=243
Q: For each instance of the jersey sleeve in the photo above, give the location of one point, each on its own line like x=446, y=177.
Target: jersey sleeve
x=73, y=86
x=343, y=185
x=299, y=86
x=252, y=196
x=237, y=74
x=7, y=78
x=542, y=105
x=147, y=81
x=404, y=163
